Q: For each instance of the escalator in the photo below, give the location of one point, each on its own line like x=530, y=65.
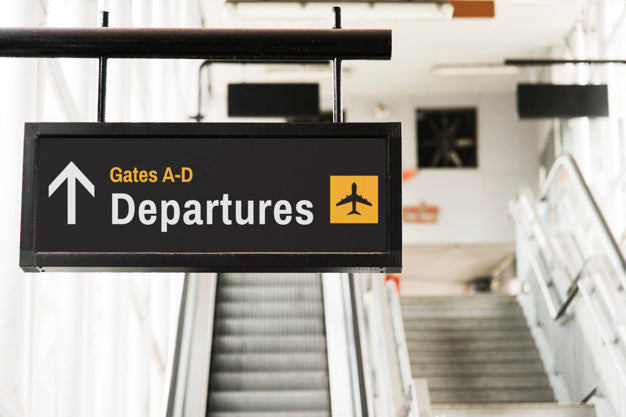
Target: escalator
x=270, y=344
x=269, y=353
x=288, y=345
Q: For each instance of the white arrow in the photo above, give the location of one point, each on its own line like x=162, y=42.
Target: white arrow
x=71, y=173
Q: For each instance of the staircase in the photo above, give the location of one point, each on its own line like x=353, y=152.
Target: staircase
x=479, y=358
x=269, y=347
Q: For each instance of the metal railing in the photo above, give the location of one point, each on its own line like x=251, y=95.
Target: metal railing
x=409, y=406
x=571, y=251
x=187, y=374
x=566, y=163
x=393, y=389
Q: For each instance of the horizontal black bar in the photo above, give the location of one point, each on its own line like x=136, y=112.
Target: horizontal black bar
x=224, y=44
x=317, y=62
x=548, y=61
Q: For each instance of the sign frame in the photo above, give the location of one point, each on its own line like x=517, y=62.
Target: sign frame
x=32, y=260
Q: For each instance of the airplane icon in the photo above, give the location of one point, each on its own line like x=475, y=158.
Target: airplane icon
x=354, y=198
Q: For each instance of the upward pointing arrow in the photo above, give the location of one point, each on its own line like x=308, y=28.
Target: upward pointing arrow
x=71, y=173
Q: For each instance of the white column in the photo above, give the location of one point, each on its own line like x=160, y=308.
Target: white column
x=582, y=144
x=18, y=80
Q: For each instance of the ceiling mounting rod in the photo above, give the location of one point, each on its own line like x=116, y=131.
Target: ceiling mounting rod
x=337, y=104
x=102, y=75
x=549, y=61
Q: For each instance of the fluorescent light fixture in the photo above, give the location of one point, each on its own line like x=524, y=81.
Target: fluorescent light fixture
x=350, y=12
x=459, y=70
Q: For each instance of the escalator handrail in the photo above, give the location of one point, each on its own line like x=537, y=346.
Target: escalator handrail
x=567, y=162
x=358, y=354
x=173, y=404
x=410, y=396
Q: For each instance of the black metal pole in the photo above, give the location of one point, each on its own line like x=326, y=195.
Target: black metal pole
x=199, y=116
x=102, y=76
x=337, y=104
x=548, y=61
x=224, y=44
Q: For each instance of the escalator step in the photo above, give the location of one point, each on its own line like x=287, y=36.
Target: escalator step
x=268, y=279
x=268, y=353
x=310, y=400
x=269, y=414
x=277, y=326
x=269, y=344
x=269, y=293
x=255, y=362
x=269, y=381
x=269, y=309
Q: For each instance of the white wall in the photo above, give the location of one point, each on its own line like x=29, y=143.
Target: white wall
x=84, y=344
x=472, y=202
x=16, y=82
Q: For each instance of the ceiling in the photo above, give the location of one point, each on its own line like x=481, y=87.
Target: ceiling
x=446, y=269
x=521, y=28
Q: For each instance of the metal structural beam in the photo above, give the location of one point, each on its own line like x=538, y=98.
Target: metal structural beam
x=223, y=44
x=548, y=61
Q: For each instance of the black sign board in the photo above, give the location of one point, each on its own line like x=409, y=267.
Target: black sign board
x=273, y=100
x=211, y=197
x=558, y=100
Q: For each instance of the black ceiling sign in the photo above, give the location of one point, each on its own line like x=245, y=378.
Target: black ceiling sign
x=559, y=100
x=211, y=197
x=273, y=100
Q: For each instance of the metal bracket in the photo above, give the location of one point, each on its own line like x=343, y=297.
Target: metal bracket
x=337, y=104
x=102, y=75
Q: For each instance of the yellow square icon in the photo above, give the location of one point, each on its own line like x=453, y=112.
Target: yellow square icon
x=354, y=199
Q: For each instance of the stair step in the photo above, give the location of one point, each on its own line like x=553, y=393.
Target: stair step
x=268, y=279
x=269, y=401
x=269, y=414
x=266, y=362
x=474, y=349
x=452, y=336
x=277, y=326
x=441, y=383
x=465, y=324
x=426, y=370
x=513, y=410
x=492, y=396
x=272, y=381
x=459, y=312
x=459, y=299
x=469, y=345
x=269, y=293
x=269, y=344
x=271, y=309
x=473, y=357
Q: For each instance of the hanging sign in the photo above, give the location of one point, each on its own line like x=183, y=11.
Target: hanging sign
x=212, y=197
x=421, y=213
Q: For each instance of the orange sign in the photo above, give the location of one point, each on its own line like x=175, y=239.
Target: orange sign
x=472, y=8
x=354, y=199
x=422, y=213
x=407, y=174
